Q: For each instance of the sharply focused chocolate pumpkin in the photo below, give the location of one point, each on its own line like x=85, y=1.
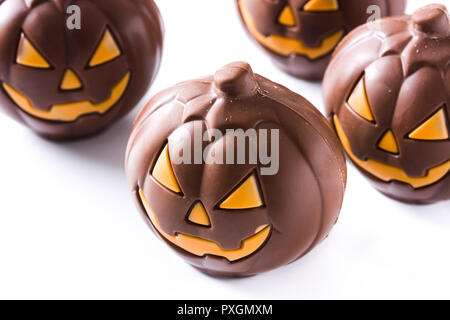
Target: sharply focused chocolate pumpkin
x=229, y=218
x=66, y=82
x=387, y=92
x=300, y=35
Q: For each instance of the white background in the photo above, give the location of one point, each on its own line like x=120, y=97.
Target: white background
x=69, y=227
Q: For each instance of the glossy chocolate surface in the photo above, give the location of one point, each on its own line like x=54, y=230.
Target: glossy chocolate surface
x=387, y=91
x=64, y=82
x=279, y=220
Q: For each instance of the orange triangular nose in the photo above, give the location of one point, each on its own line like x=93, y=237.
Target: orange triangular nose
x=388, y=143
x=198, y=215
x=70, y=81
x=287, y=17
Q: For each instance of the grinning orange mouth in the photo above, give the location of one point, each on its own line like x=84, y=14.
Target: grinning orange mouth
x=201, y=247
x=287, y=46
x=387, y=172
x=68, y=111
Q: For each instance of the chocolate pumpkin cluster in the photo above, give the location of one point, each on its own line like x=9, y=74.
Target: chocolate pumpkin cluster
x=235, y=218
x=387, y=92
x=65, y=82
x=300, y=35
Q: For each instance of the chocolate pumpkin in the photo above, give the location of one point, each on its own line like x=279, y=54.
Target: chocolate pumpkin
x=300, y=35
x=67, y=83
x=387, y=92
x=230, y=219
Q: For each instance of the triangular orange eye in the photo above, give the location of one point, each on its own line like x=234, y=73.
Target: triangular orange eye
x=321, y=5
x=246, y=196
x=287, y=17
x=359, y=102
x=435, y=128
x=29, y=56
x=106, y=51
x=163, y=172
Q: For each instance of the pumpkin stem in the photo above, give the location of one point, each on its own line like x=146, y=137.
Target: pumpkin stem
x=235, y=80
x=433, y=20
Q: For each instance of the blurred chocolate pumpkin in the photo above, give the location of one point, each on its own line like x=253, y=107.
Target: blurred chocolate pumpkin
x=300, y=35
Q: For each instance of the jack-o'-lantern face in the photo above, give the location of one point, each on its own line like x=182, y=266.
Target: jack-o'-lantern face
x=66, y=82
x=246, y=195
x=291, y=33
x=300, y=35
x=31, y=62
x=388, y=98
x=397, y=136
